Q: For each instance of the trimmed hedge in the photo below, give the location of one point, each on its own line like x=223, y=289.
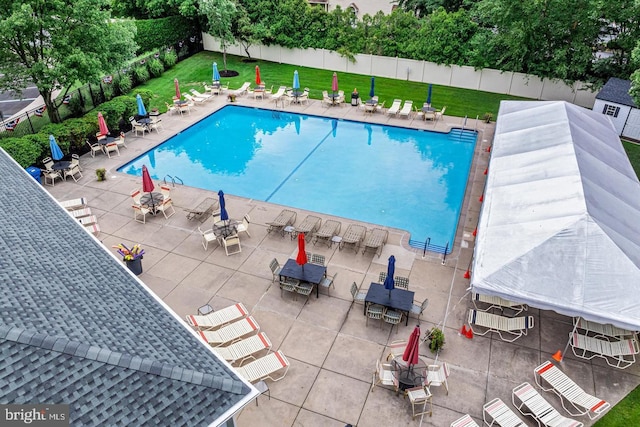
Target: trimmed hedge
x=23, y=150
x=155, y=33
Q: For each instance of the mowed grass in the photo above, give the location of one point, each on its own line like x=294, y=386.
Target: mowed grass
x=624, y=414
x=196, y=70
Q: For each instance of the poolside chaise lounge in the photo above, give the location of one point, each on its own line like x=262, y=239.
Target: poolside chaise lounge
x=353, y=236
x=529, y=402
x=242, y=89
x=231, y=333
x=497, y=413
x=406, y=109
x=309, y=225
x=326, y=232
x=74, y=204
x=550, y=378
x=496, y=302
x=617, y=353
x=604, y=330
x=265, y=367
x=515, y=327
x=375, y=241
x=201, y=95
x=285, y=217
x=218, y=318
x=395, y=107
x=208, y=206
x=465, y=421
x=194, y=99
x=244, y=349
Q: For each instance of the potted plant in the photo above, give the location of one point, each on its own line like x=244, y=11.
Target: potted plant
x=101, y=173
x=231, y=97
x=436, y=340
x=487, y=117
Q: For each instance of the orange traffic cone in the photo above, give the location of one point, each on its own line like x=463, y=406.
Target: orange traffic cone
x=557, y=356
x=486, y=170
x=469, y=333
x=481, y=198
x=463, y=330
x=467, y=274
x=475, y=232
x=488, y=149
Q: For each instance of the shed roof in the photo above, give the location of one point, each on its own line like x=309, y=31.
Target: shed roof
x=617, y=90
x=76, y=327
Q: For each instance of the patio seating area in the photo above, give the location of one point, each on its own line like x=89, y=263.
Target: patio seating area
x=319, y=369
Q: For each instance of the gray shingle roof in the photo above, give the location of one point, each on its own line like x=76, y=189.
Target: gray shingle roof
x=617, y=90
x=76, y=327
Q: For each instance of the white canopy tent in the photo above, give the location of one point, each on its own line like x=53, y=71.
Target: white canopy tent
x=559, y=227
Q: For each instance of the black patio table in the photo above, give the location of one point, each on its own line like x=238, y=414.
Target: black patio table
x=107, y=140
x=152, y=202
x=61, y=165
x=409, y=376
x=310, y=273
x=398, y=299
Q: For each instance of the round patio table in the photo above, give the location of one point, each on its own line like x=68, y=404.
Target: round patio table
x=409, y=376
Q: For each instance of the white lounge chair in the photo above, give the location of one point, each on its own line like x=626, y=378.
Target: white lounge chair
x=550, y=378
x=194, y=99
x=244, y=349
x=375, y=241
x=465, y=421
x=529, y=402
x=201, y=95
x=497, y=413
x=353, y=236
x=309, y=225
x=278, y=95
x=265, y=367
x=285, y=217
x=607, y=330
x=232, y=332
x=513, y=327
x=496, y=302
x=218, y=318
x=395, y=107
x=74, y=204
x=406, y=109
x=326, y=232
x=617, y=353
x=242, y=89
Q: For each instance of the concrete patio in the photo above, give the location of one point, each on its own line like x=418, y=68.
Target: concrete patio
x=331, y=350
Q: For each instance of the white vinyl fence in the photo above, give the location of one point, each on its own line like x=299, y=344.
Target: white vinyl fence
x=486, y=79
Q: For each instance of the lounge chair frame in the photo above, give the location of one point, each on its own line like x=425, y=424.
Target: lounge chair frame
x=465, y=421
x=550, y=378
x=497, y=413
x=265, y=368
x=375, y=241
x=285, y=218
x=530, y=403
x=353, y=236
x=512, y=327
x=232, y=332
x=326, y=232
x=617, y=353
x=309, y=225
x=217, y=319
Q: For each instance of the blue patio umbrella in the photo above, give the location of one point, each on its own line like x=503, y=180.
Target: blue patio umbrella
x=391, y=270
x=216, y=74
x=429, y=95
x=296, y=80
x=141, y=110
x=56, y=152
x=372, y=91
x=224, y=216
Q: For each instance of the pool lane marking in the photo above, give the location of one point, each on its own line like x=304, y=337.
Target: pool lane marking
x=284, y=181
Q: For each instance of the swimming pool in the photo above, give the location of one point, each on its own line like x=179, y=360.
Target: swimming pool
x=408, y=179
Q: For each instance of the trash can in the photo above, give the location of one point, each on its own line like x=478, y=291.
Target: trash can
x=135, y=265
x=34, y=172
x=355, y=98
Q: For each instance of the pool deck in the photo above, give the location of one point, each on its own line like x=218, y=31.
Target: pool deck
x=331, y=350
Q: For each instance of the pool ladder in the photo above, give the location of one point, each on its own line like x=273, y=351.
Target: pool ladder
x=173, y=180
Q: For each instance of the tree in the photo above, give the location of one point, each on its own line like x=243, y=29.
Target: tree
x=245, y=31
x=220, y=16
x=54, y=44
x=635, y=77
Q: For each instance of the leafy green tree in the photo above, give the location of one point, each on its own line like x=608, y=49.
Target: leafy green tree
x=444, y=37
x=635, y=77
x=53, y=44
x=620, y=30
x=145, y=9
x=220, y=15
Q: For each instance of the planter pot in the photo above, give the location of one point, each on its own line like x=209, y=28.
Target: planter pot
x=135, y=265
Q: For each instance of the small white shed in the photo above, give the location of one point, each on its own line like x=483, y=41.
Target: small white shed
x=614, y=101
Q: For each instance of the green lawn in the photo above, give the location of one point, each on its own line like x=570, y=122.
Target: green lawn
x=192, y=72
x=624, y=414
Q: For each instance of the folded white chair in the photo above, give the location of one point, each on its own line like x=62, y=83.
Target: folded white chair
x=231, y=333
x=218, y=318
x=244, y=349
x=550, y=378
x=265, y=367
x=529, y=402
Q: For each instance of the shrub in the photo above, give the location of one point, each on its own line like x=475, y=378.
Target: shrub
x=41, y=141
x=124, y=84
x=72, y=133
x=23, y=151
x=156, y=33
x=141, y=74
x=145, y=94
x=76, y=104
x=155, y=67
x=170, y=58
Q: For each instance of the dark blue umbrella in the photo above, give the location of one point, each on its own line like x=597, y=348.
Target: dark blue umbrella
x=216, y=74
x=429, y=95
x=56, y=152
x=141, y=110
x=224, y=216
x=372, y=91
x=391, y=270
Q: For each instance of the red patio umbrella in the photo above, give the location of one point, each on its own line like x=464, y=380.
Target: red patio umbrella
x=301, y=259
x=104, y=130
x=258, y=81
x=412, y=350
x=147, y=183
x=177, y=85
x=334, y=82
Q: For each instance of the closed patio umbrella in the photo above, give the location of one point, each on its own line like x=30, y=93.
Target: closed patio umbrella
x=147, y=183
x=216, y=74
x=391, y=270
x=141, y=110
x=412, y=350
x=102, y=125
x=296, y=80
x=372, y=91
x=56, y=152
x=429, y=95
x=334, y=83
x=224, y=215
x=258, y=81
x=177, y=85
x=301, y=259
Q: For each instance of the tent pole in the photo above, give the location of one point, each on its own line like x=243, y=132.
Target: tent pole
x=566, y=347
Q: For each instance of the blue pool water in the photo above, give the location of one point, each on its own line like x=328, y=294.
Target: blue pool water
x=403, y=178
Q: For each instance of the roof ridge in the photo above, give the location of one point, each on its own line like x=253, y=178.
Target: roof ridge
x=62, y=344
